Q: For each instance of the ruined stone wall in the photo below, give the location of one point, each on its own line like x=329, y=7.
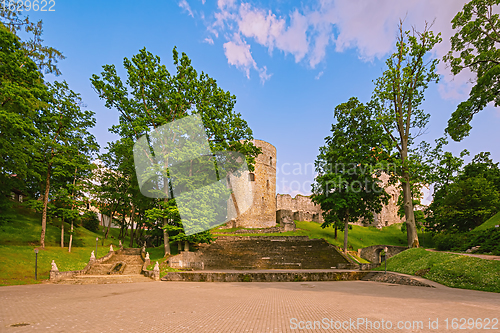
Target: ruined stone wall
x=389, y=213
x=302, y=207
x=262, y=211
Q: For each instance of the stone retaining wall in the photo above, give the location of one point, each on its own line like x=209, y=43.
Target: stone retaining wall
x=264, y=276
x=56, y=275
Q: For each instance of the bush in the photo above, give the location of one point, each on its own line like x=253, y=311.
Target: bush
x=488, y=240
x=447, y=242
x=90, y=221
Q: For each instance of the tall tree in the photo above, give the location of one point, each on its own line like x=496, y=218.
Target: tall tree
x=45, y=57
x=475, y=47
x=153, y=97
x=64, y=143
x=22, y=94
x=397, y=98
x=347, y=187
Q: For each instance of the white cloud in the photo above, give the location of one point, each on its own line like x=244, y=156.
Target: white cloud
x=185, y=5
x=320, y=74
x=209, y=40
x=369, y=27
x=238, y=54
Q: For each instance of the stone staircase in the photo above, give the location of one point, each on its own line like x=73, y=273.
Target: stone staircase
x=283, y=252
x=98, y=273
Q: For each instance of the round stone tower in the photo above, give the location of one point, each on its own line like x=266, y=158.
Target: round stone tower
x=262, y=181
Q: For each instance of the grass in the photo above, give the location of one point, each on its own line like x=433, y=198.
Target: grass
x=452, y=270
x=358, y=236
x=490, y=223
x=21, y=235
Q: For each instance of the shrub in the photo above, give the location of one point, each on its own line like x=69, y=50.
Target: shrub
x=447, y=242
x=488, y=240
x=90, y=221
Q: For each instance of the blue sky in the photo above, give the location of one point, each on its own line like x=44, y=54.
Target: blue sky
x=288, y=64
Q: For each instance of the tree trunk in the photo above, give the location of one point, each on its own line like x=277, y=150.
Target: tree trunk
x=109, y=224
x=62, y=233
x=166, y=240
x=132, y=231
x=411, y=229
x=186, y=246
x=70, y=237
x=336, y=228
x=346, y=230
x=45, y=204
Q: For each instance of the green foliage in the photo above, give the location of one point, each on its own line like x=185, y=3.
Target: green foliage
x=396, y=100
x=449, y=241
x=452, y=270
x=90, y=221
x=488, y=240
x=468, y=199
x=490, y=223
x=475, y=47
x=45, y=57
x=345, y=187
x=22, y=93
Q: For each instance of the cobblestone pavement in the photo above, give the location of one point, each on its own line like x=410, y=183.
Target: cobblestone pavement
x=241, y=307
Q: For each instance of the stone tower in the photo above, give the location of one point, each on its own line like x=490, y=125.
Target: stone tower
x=262, y=212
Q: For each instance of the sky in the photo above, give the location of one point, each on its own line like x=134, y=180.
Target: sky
x=288, y=63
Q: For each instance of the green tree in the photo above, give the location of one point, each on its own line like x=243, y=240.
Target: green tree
x=64, y=142
x=153, y=97
x=347, y=187
x=397, y=98
x=45, y=57
x=468, y=197
x=475, y=47
x=22, y=94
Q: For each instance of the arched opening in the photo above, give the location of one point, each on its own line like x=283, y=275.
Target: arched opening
x=271, y=161
x=267, y=184
x=251, y=177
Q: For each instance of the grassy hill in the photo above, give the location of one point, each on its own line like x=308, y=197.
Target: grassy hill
x=358, y=236
x=452, y=270
x=490, y=223
x=20, y=235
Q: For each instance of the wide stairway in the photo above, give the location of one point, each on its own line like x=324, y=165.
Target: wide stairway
x=100, y=273
x=283, y=252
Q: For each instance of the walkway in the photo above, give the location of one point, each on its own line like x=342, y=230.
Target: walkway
x=241, y=307
x=481, y=256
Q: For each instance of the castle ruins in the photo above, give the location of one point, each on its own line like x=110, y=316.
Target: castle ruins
x=269, y=208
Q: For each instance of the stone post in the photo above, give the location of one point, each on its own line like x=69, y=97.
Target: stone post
x=111, y=248
x=92, y=258
x=156, y=272
x=54, y=271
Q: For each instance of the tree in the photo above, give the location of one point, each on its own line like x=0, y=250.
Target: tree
x=22, y=94
x=469, y=198
x=152, y=97
x=396, y=99
x=45, y=57
x=475, y=47
x=64, y=143
x=347, y=187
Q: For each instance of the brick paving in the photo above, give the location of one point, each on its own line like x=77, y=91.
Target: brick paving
x=236, y=307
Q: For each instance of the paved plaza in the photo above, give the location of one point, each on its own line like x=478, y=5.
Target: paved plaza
x=345, y=306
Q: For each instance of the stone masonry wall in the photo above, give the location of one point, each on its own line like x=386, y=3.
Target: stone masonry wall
x=262, y=212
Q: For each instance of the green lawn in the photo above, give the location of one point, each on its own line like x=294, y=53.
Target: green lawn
x=21, y=235
x=452, y=270
x=358, y=237
x=490, y=223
